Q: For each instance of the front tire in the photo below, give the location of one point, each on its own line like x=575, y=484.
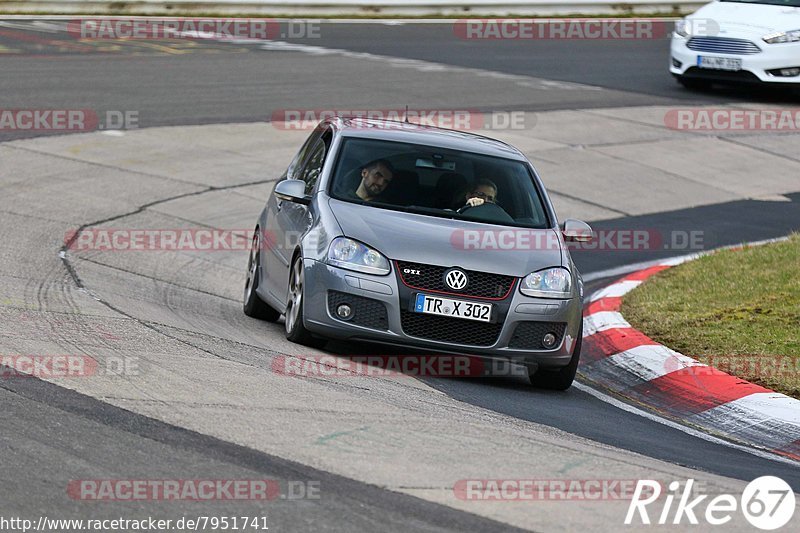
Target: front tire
x=295, y=329
x=561, y=378
x=253, y=305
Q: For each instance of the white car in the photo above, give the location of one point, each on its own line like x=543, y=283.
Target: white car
x=738, y=40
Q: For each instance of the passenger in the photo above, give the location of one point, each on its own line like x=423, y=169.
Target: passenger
x=375, y=177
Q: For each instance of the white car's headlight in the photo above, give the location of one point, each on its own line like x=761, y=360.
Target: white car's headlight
x=549, y=283
x=682, y=28
x=352, y=255
x=782, y=37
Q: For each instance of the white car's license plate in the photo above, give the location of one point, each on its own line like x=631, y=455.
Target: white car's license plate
x=434, y=305
x=719, y=63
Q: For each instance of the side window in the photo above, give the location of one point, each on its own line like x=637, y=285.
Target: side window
x=302, y=155
x=313, y=168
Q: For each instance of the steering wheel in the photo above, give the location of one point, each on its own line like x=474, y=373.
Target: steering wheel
x=487, y=211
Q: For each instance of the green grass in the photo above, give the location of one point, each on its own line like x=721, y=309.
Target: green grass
x=736, y=310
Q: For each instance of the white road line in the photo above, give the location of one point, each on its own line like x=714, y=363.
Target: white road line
x=33, y=26
x=619, y=271
x=429, y=66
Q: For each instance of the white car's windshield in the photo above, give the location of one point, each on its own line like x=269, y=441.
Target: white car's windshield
x=438, y=182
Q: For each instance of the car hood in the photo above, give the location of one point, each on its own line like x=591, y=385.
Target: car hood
x=445, y=242
x=750, y=21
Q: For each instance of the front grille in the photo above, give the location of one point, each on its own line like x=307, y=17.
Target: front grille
x=722, y=45
x=528, y=335
x=722, y=76
x=366, y=311
x=480, y=284
x=447, y=329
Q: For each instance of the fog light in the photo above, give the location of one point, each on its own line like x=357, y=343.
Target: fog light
x=549, y=340
x=344, y=311
x=676, y=63
x=790, y=72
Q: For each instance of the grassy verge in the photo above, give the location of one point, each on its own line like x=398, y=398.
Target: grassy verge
x=738, y=311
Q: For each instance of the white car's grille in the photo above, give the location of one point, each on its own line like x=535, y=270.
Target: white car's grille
x=722, y=45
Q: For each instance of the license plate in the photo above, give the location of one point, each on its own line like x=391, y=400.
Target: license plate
x=434, y=305
x=719, y=63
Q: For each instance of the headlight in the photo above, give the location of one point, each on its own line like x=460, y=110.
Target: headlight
x=352, y=255
x=782, y=37
x=549, y=283
x=682, y=28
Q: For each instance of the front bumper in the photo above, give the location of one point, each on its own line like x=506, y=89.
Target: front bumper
x=320, y=278
x=755, y=67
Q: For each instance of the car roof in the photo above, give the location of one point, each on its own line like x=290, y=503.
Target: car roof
x=393, y=130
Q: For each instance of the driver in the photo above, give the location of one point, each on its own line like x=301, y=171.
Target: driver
x=484, y=191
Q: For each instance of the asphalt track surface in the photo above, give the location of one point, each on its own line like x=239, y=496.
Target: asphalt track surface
x=55, y=434
x=193, y=82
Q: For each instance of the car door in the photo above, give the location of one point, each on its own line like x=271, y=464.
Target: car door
x=287, y=222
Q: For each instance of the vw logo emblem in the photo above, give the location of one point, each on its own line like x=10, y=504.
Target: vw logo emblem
x=456, y=279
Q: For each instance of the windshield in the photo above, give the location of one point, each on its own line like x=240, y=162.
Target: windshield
x=788, y=3
x=437, y=182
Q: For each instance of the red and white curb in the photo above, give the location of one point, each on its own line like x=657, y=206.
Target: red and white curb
x=620, y=358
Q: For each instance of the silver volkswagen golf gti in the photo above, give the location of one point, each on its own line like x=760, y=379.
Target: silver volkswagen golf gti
x=419, y=237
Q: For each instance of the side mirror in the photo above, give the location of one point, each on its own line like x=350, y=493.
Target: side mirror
x=576, y=231
x=292, y=191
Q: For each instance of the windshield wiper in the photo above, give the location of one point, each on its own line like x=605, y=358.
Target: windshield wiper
x=419, y=210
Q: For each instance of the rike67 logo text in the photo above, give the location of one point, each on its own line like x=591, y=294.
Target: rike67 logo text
x=767, y=503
